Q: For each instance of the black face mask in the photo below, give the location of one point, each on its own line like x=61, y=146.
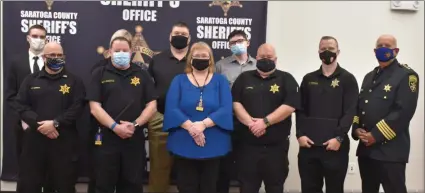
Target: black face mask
x=265, y=65
x=200, y=64
x=179, y=42
x=327, y=57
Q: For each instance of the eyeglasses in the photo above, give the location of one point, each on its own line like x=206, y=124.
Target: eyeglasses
x=236, y=41
x=53, y=55
x=38, y=37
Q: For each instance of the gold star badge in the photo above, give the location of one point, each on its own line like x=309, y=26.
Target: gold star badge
x=274, y=88
x=387, y=88
x=335, y=83
x=135, y=81
x=64, y=89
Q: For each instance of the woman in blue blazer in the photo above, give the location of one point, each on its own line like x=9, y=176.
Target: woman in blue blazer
x=198, y=117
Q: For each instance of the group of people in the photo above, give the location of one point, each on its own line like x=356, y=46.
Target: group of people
x=209, y=119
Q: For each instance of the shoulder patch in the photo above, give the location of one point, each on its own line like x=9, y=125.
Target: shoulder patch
x=413, y=83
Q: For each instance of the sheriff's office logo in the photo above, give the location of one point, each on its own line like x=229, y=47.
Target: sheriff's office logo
x=226, y=5
x=49, y=4
x=139, y=47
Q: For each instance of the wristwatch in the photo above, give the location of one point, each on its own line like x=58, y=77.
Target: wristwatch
x=339, y=139
x=55, y=123
x=135, y=124
x=266, y=121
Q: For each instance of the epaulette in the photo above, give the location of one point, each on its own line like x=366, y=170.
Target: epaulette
x=406, y=66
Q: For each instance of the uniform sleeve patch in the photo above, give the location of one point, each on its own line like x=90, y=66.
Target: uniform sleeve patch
x=413, y=83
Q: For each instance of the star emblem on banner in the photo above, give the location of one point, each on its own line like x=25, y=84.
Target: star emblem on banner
x=226, y=5
x=49, y=4
x=139, y=46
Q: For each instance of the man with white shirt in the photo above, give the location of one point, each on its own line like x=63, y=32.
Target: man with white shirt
x=30, y=61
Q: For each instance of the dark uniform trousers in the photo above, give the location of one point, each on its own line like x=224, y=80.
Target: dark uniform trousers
x=390, y=174
x=316, y=163
x=228, y=164
x=258, y=163
x=120, y=163
x=91, y=188
x=56, y=156
x=196, y=176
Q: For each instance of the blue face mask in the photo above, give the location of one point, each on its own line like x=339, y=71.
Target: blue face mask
x=384, y=54
x=55, y=64
x=238, y=49
x=121, y=59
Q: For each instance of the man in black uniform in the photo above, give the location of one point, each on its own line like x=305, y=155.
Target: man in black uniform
x=31, y=61
x=94, y=126
x=329, y=98
x=386, y=104
x=122, y=99
x=50, y=102
x=264, y=100
x=163, y=68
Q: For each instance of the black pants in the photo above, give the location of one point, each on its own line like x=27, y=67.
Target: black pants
x=392, y=175
x=228, y=168
x=263, y=163
x=196, y=176
x=316, y=164
x=41, y=157
x=120, y=163
x=91, y=188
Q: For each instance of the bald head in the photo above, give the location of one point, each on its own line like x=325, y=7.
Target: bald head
x=266, y=51
x=53, y=50
x=386, y=40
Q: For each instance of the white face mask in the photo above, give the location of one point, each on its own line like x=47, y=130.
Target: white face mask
x=37, y=44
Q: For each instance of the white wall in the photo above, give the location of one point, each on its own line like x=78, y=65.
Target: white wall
x=295, y=29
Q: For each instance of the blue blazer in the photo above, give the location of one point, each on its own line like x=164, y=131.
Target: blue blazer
x=181, y=101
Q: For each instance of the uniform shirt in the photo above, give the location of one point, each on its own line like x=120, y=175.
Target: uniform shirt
x=163, y=68
x=43, y=96
x=231, y=68
x=182, y=100
x=386, y=104
x=260, y=97
x=122, y=93
x=330, y=98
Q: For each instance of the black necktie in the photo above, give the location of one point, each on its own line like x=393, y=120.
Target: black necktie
x=35, y=67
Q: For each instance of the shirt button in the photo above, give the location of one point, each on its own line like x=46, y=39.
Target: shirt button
x=370, y=90
x=374, y=82
x=363, y=125
x=366, y=101
x=363, y=113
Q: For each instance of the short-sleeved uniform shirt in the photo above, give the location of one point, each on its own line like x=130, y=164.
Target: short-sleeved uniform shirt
x=122, y=93
x=262, y=96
